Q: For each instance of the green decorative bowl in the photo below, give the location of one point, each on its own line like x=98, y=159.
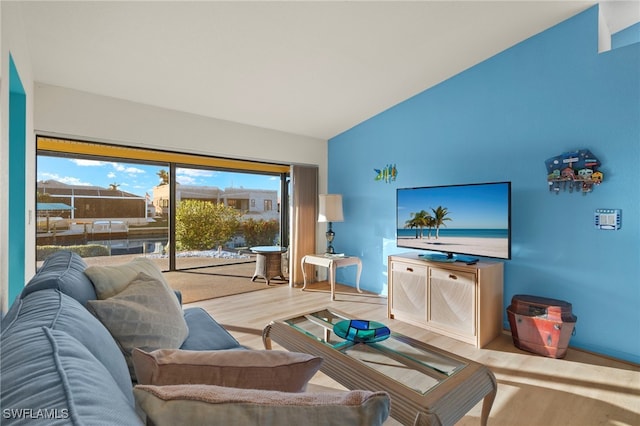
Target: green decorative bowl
x=361, y=331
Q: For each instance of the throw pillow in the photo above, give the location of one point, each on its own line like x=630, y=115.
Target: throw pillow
x=57, y=311
x=143, y=315
x=111, y=280
x=52, y=379
x=249, y=369
x=199, y=404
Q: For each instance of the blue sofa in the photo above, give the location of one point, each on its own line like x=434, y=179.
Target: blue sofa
x=60, y=365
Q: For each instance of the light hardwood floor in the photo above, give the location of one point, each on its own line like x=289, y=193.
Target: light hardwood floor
x=583, y=389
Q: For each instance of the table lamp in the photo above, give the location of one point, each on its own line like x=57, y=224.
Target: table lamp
x=330, y=210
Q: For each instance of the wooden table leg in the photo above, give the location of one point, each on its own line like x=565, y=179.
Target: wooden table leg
x=332, y=280
x=359, y=272
x=266, y=340
x=304, y=273
x=487, y=403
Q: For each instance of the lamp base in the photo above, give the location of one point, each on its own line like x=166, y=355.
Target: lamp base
x=330, y=236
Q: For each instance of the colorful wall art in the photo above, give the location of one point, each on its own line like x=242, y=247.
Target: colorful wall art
x=386, y=174
x=575, y=170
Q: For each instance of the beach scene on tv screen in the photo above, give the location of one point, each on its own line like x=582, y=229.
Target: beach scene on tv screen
x=466, y=219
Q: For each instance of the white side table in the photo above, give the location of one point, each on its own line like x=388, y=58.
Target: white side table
x=332, y=263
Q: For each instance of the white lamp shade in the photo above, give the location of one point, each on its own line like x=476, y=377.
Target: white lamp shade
x=330, y=208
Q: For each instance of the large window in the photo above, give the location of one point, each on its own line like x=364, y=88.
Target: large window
x=99, y=207
x=110, y=203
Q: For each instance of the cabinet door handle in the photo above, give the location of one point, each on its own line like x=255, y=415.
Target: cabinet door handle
x=453, y=277
x=409, y=269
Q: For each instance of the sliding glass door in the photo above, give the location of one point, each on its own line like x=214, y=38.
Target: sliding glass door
x=99, y=207
x=110, y=204
x=221, y=214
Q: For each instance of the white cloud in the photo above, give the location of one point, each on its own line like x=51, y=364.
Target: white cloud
x=119, y=167
x=111, y=175
x=87, y=163
x=133, y=170
x=195, y=172
x=185, y=180
x=69, y=180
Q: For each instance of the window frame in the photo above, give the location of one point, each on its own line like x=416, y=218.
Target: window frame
x=74, y=148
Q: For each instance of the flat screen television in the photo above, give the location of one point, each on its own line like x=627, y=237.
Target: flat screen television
x=456, y=222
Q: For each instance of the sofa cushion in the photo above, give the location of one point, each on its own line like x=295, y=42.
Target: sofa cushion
x=49, y=373
x=199, y=404
x=205, y=334
x=56, y=310
x=144, y=315
x=64, y=271
x=249, y=369
x=111, y=280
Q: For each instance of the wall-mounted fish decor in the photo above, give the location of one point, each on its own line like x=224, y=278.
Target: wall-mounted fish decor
x=387, y=174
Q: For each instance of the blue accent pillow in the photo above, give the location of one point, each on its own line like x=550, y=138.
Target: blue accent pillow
x=49, y=375
x=55, y=310
x=64, y=271
x=205, y=334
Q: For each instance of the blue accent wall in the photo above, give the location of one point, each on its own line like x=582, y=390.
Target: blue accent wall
x=626, y=37
x=500, y=120
x=17, y=173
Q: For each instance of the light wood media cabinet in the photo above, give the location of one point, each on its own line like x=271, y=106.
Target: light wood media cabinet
x=454, y=299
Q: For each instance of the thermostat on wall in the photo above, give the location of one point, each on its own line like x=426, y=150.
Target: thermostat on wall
x=608, y=219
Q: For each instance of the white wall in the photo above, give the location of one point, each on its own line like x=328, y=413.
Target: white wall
x=80, y=115
x=62, y=111
x=13, y=41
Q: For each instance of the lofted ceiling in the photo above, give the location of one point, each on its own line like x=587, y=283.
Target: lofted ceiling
x=303, y=67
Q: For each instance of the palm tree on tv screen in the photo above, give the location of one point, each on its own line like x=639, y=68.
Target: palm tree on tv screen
x=439, y=216
x=430, y=224
x=420, y=220
x=411, y=223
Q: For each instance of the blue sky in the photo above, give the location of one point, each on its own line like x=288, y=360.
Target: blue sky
x=469, y=206
x=141, y=178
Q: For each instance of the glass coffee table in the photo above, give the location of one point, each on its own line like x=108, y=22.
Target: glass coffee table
x=428, y=386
